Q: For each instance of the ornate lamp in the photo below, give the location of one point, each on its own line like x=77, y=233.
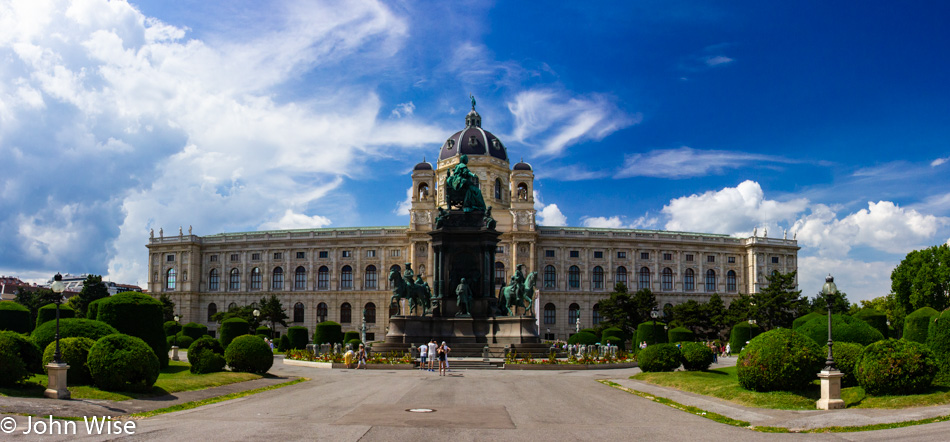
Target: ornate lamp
x=57, y=369
x=829, y=376
x=654, y=313
x=827, y=291
x=175, y=340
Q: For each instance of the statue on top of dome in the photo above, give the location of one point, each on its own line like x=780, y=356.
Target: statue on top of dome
x=462, y=188
x=473, y=100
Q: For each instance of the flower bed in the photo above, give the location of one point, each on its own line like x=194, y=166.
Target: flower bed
x=621, y=360
x=335, y=360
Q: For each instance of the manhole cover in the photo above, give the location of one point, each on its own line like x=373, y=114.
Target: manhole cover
x=420, y=410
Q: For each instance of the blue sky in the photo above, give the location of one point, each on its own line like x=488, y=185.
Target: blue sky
x=826, y=120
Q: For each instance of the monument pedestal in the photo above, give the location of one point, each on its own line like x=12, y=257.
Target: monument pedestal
x=57, y=381
x=496, y=330
x=830, y=390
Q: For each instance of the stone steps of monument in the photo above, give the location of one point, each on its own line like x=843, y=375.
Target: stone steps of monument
x=471, y=350
x=474, y=365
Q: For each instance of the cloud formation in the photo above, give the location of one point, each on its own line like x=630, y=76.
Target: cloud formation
x=732, y=210
x=547, y=214
x=686, y=162
x=619, y=222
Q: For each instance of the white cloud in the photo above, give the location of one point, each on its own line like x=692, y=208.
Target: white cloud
x=717, y=60
x=403, y=110
x=732, y=210
x=403, y=207
x=859, y=280
x=619, y=222
x=939, y=161
x=548, y=214
x=292, y=220
x=686, y=162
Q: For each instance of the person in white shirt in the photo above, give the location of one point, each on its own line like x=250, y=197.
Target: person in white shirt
x=423, y=352
x=432, y=348
x=447, y=350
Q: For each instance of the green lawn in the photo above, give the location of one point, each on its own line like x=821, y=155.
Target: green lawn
x=724, y=384
x=175, y=378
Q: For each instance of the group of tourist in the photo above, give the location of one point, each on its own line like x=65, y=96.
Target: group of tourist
x=428, y=353
x=717, y=349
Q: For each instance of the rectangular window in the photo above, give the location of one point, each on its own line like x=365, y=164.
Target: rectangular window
x=549, y=253
x=255, y=256
x=170, y=258
x=711, y=258
x=550, y=316
x=235, y=257
x=213, y=258
x=598, y=255
x=394, y=253
x=667, y=256
x=301, y=255
x=347, y=253
x=621, y=255
x=278, y=256
x=324, y=254
x=575, y=254
x=775, y=260
x=689, y=258
x=370, y=253
x=732, y=260
x=500, y=250
x=644, y=255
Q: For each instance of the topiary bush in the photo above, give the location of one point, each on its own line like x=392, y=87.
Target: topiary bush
x=741, y=333
x=645, y=333
x=350, y=335
x=206, y=356
x=874, y=318
x=847, y=355
x=659, y=357
x=617, y=341
x=15, y=317
x=582, y=338
x=592, y=331
x=611, y=331
x=75, y=352
x=779, y=359
x=194, y=330
x=283, y=344
x=71, y=328
x=19, y=358
x=938, y=339
x=249, y=354
x=139, y=315
x=843, y=329
x=180, y=340
x=896, y=366
x=262, y=331
x=297, y=337
x=171, y=328
x=232, y=328
x=681, y=334
x=800, y=321
x=48, y=313
x=92, y=310
x=917, y=324
x=328, y=332
x=122, y=363
x=696, y=356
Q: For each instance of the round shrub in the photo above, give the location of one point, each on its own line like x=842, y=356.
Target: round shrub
x=917, y=324
x=779, y=359
x=75, y=352
x=350, y=335
x=48, y=313
x=660, y=357
x=874, y=318
x=15, y=317
x=843, y=329
x=92, y=310
x=800, y=321
x=139, y=315
x=171, y=328
x=681, y=334
x=71, y=328
x=123, y=363
x=610, y=331
x=741, y=333
x=283, y=344
x=617, y=341
x=696, y=356
x=180, y=340
x=249, y=354
x=194, y=331
x=847, y=355
x=328, y=332
x=938, y=339
x=582, y=338
x=896, y=367
x=262, y=331
x=232, y=328
x=206, y=356
x=19, y=358
x=592, y=331
x=354, y=344
x=645, y=333
x=297, y=337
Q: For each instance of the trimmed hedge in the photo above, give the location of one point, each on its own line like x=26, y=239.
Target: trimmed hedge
x=71, y=328
x=15, y=317
x=350, y=335
x=19, y=358
x=617, y=341
x=92, y=310
x=896, y=366
x=611, y=331
x=263, y=331
x=843, y=329
x=171, y=328
x=328, y=332
x=917, y=324
x=139, y=315
x=123, y=363
x=938, y=339
x=660, y=357
x=232, y=328
x=249, y=354
x=741, y=333
x=180, y=340
x=645, y=333
x=206, y=356
x=194, y=330
x=779, y=359
x=582, y=338
x=681, y=334
x=75, y=352
x=874, y=318
x=283, y=344
x=48, y=313
x=592, y=331
x=800, y=321
x=696, y=356
x=297, y=337
x=354, y=344
x=847, y=355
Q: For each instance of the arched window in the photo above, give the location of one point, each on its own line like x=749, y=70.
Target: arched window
x=321, y=312
x=234, y=283
x=346, y=277
x=497, y=189
x=644, y=278
x=170, y=280
x=323, y=278
x=689, y=280
x=232, y=306
x=213, y=280
x=622, y=275
x=550, y=313
x=731, y=281
x=598, y=278
x=298, y=312
x=500, y=274
x=423, y=191
x=370, y=313
x=667, y=279
x=574, y=277
x=277, y=281
x=345, y=313
x=300, y=278
x=710, y=280
x=212, y=310
x=573, y=312
x=394, y=268
x=369, y=279
x=550, y=277
x=256, y=278
x=595, y=312
x=522, y=191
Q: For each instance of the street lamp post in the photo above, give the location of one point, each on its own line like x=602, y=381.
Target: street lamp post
x=654, y=314
x=829, y=376
x=257, y=314
x=57, y=369
x=175, y=341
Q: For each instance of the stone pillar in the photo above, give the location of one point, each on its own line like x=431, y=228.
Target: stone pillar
x=830, y=390
x=57, y=381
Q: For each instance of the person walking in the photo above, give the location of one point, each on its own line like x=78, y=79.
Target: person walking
x=442, y=359
x=361, y=357
x=423, y=352
x=447, y=350
x=432, y=354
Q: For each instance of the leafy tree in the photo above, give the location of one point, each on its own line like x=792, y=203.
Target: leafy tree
x=839, y=304
x=691, y=315
x=740, y=310
x=778, y=304
x=246, y=313
x=893, y=309
x=715, y=311
x=643, y=303
x=922, y=279
x=168, y=307
x=273, y=311
x=619, y=310
x=34, y=299
x=92, y=289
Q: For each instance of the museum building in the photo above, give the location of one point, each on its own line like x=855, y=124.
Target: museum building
x=338, y=273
